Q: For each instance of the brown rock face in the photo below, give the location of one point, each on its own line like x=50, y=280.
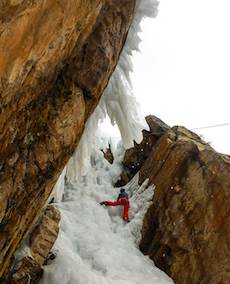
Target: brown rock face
x=186, y=230
x=108, y=155
x=42, y=239
x=56, y=58
x=135, y=157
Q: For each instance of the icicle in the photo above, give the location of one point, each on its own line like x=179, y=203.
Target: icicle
x=118, y=100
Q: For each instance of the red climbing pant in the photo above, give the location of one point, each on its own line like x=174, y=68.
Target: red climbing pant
x=123, y=202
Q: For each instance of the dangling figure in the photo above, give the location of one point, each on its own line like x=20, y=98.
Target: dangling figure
x=122, y=199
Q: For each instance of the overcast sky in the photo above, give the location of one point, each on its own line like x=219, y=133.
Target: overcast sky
x=182, y=75
x=182, y=72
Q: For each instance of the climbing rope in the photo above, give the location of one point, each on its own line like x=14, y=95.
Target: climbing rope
x=204, y=127
x=218, y=125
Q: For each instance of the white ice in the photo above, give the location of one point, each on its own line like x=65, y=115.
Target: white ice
x=118, y=100
x=94, y=244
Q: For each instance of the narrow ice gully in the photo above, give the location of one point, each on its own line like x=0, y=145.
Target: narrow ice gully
x=94, y=244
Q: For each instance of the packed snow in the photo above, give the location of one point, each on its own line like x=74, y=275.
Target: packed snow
x=94, y=244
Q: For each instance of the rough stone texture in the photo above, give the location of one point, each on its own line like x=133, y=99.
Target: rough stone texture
x=42, y=239
x=108, y=155
x=56, y=58
x=30, y=272
x=135, y=157
x=44, y=234
x=186, y=230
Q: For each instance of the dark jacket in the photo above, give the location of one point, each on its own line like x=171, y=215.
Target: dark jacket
x=123, y=195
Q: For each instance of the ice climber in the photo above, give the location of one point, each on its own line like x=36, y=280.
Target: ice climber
x=122, y=199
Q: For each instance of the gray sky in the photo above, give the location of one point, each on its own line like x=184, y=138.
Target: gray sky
x=182, y=75
x=182, y=72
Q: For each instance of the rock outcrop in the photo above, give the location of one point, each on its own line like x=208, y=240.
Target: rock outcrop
x=135, y=157
x=41, y=241
x=108, y=155
x=186, y=229
x=56, y=58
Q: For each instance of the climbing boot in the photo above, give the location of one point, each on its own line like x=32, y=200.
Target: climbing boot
x=104, y=203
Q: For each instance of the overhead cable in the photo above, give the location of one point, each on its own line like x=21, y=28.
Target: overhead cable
x=210, y=126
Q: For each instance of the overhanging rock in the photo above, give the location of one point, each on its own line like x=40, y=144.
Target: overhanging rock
x=56, y=58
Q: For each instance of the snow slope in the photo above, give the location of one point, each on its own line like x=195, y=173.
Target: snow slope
x=94, y=244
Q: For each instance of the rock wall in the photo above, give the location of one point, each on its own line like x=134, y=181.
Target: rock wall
x=186, y=230
x=56, y=58
x=29, y=269
x=135, y=157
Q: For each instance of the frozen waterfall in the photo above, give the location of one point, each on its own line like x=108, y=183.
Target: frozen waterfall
x=95, y=245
